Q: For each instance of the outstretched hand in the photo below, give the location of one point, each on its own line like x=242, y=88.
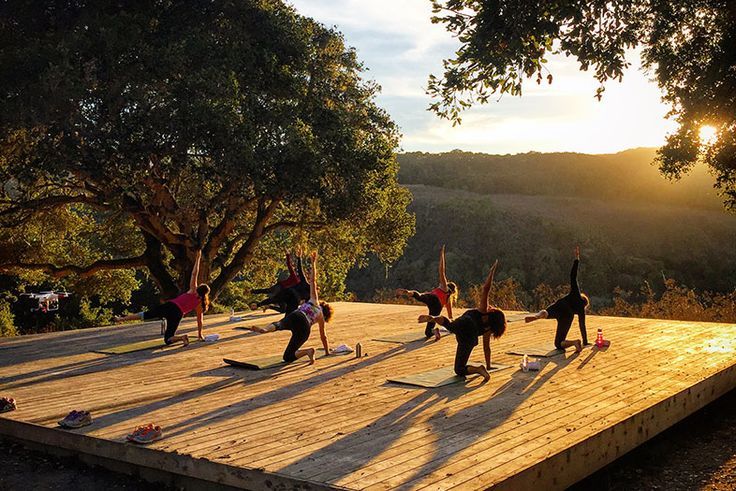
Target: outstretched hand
x=577, y=252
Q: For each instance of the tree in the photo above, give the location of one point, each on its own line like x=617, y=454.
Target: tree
x=205, y=124
x=690, y=47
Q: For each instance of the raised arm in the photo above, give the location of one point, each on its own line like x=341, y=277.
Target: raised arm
x=195, y=273
x=289, y=265
x=574, y=286
x=442, y=276
x=313, y=295
x=483, y=305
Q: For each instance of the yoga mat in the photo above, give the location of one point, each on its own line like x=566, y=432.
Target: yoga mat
x=139, y=346
x=544, y=350
x=273, y=361
x=439, y=377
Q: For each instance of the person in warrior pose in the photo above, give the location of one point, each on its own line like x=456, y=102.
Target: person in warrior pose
x=440, y=297
x=196, y=298
x=486, y=322
x=300, y=321
x=564, y=310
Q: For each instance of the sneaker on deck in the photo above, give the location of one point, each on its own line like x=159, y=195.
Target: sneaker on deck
x=76, y=419
x=147, y=435
x=7, y=404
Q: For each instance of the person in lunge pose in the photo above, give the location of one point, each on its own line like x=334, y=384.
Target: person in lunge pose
x=564, y=310
x=442, y=296
x=300, y=322
x=484, y=321
x=196, y=298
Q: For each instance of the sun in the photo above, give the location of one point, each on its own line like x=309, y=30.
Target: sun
x=708, y=134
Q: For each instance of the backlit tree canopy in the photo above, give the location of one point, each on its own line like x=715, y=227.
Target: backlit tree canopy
x=203, y=124
x=689, y=46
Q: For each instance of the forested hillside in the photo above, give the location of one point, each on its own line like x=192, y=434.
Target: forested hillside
x=635, y=228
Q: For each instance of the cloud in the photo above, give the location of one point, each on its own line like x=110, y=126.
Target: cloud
x=401, y=47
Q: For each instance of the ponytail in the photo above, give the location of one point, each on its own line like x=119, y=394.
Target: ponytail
x=204, y=295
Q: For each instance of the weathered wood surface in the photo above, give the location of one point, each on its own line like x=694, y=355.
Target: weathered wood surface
x=339, y=424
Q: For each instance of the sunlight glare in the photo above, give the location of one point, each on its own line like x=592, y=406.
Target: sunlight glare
x=707, y=134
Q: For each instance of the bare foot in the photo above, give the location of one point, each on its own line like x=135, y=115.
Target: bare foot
x=578, y=346
x=424, y=318
x=484, y=373
x=185, y=340
x=310, y=354
x=530, y=318
x=437, y=334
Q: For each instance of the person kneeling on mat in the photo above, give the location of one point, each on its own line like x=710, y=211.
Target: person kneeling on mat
x=484, y=321
x=301, y=320
x=440, y=297
x=196, y=298
x=564, y=310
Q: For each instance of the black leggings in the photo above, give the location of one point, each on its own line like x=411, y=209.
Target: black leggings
x=267, y=291
x=285, y=301
x=464, y=330
x=300, y=329
x=169, y=311
x=433, y=304
x=561, y=312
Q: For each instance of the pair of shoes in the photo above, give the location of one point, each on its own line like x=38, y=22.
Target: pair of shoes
x=7, y=404
x=146, y=434
x=76, y=419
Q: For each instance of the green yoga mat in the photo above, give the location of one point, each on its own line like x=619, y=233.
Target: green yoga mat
x=139, y=346
x=439, y=377
x=272, y=361
x=544, y=350
x=407, y=337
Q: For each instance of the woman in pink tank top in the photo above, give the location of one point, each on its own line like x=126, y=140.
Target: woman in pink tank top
x=196, y=298
x=440, y=297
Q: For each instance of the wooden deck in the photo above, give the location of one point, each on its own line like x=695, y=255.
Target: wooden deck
x=338, y=424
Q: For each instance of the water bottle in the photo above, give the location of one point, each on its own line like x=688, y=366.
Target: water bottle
x=599, y=342
x=358, y=350
x=525, y=363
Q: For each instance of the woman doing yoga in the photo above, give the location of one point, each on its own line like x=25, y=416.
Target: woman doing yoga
x=300, y=322
x=285, y=296
x=196, y=298
x=442, y=296
x=564, y=310
x=484, y=321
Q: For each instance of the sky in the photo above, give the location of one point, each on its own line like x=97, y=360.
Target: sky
x=400, y=47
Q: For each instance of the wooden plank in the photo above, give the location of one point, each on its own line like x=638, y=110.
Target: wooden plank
x=439, y=377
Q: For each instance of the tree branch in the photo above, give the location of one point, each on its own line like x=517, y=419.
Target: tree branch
x=82, y=271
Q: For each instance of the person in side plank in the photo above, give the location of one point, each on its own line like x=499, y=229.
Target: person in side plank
x=485, y=322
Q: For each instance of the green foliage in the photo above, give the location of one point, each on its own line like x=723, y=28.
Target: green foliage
x=184, y=126
x=690, y=47
x=7, y=326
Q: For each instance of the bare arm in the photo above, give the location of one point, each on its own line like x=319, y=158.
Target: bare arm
x=449, y=308
x=483, y=307
x=195, y=273
x=292, y=273
x=442, y=276
x=323, y=334
x=487, y=348
x=313, y=295
x=200, y=322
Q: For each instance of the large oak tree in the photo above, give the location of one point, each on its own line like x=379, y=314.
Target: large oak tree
x=184, y=125
x=690, y=46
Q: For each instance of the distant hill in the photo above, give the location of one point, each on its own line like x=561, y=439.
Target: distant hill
x=529, y=211
x=624, y=176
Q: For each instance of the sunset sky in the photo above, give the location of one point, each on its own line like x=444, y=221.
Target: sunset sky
x=400, y=47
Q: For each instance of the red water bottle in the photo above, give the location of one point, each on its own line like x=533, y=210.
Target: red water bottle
x=599, y=340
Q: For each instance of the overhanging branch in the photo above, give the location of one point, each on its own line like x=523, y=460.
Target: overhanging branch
x=82, y=271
